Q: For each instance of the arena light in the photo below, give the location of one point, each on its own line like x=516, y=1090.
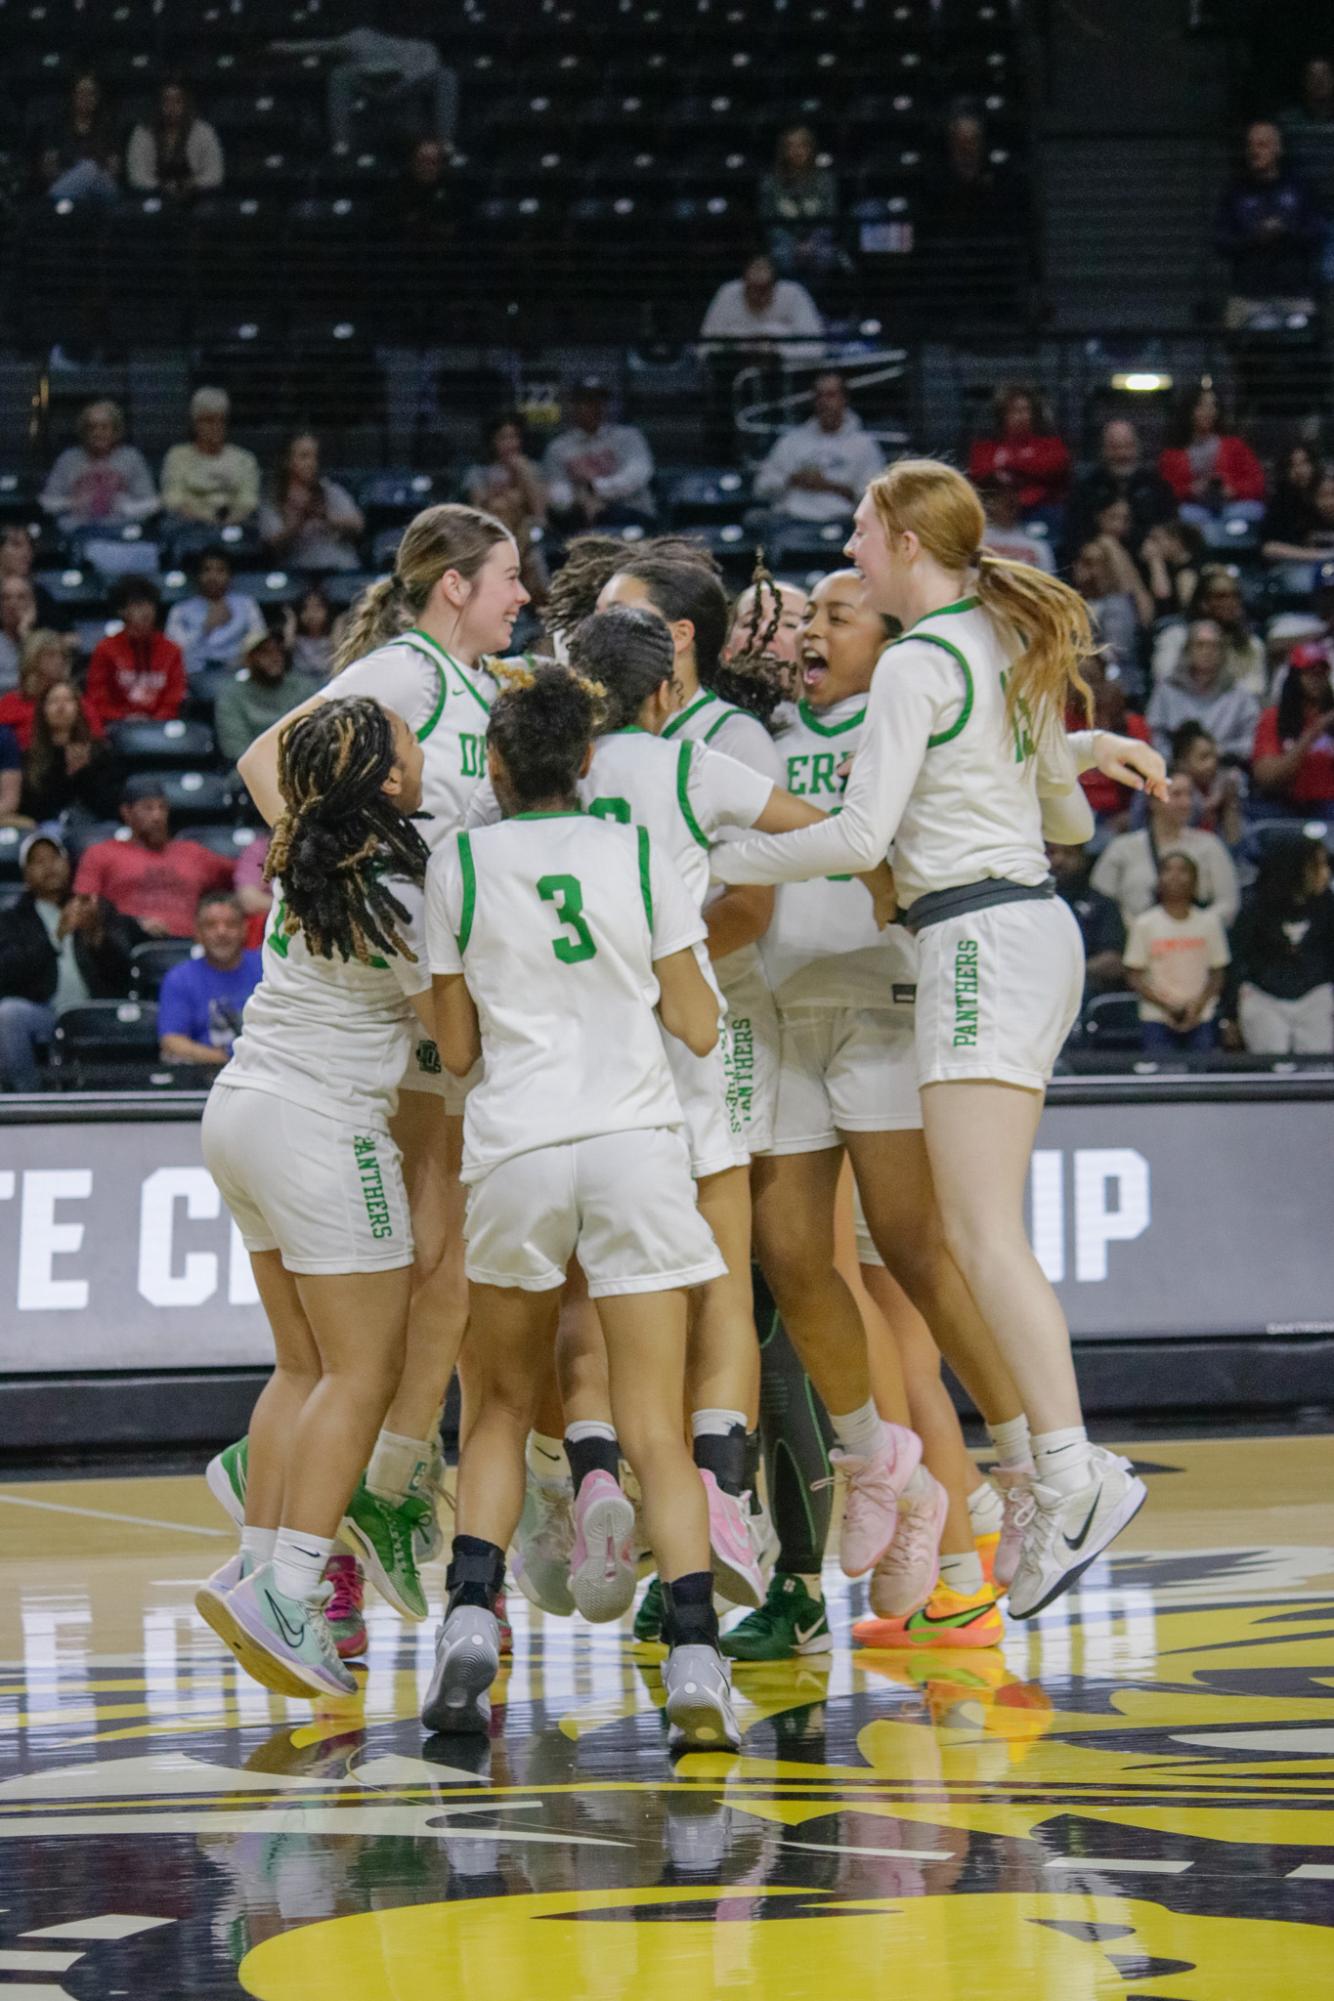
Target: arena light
x=1142, y=381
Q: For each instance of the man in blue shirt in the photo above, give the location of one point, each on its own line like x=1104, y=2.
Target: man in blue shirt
x=214, y=627
x=199, y=1008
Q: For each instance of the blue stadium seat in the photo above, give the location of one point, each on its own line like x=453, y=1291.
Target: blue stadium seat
x=170, y=746
x=11, y=839
x=800, y=544
x=228, y=840
x=73, y=589
x=275, y=586
x=710, y=494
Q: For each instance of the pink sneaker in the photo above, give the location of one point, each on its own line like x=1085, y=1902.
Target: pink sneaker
x=903, y=1579
x=344, y=1610
x=1017, y=1495
x=736, y=1571
x=871, y=1497
x=603, y=1573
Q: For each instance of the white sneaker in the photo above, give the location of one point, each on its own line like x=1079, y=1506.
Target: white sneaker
x=903, y=1579
x=543, y=1541
x=699, y=1700
x=1018, y=1505
x=467, y=1661
x=1068, y=1532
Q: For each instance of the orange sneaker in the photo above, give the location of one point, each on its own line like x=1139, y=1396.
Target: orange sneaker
x=986, y=1547
x=948, y=1619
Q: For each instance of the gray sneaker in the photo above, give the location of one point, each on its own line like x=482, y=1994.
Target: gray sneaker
x=467, y=1660
x=699, y=1700
x=1068, y=1532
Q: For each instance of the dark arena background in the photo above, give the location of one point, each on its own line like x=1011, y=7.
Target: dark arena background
x=276, y=275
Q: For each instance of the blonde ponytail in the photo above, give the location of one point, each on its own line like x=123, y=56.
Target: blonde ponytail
x=377, y=616
x=448, y=537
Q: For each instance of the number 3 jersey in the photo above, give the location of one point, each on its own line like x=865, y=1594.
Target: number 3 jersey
x=555, y=920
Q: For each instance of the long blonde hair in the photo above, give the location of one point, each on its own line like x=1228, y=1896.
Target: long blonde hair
x=1050, y=620
x=448, y=537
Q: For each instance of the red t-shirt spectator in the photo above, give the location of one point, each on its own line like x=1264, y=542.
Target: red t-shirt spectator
x=1313, y=783
x=1036, y=466
x=1104, y=795
x=135, y=677
x=1236, y=468
x=19, y=714
x=159, y=888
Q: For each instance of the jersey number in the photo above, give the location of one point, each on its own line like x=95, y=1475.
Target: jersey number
x=611, y=809
x=566, y=892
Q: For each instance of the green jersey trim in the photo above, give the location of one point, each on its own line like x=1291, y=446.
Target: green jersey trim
x=682, y=717
x=947, y=611
x=683, y=794
x=812, y=721
x=469, y=689
x=645, y=880
x=729, y=710
x=442, y=687
x=948, y=736
x=469, y=869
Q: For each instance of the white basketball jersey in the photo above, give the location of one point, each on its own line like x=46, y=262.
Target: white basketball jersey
x=683, y=793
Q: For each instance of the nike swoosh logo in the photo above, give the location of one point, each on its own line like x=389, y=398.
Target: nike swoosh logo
x=923, y=1618
x=293, y=1635
x=1077, y=1542
x=804, y=1633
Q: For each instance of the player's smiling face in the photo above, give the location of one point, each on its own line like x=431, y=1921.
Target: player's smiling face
x=495, y=601
x=879, y=562
x=841, y=640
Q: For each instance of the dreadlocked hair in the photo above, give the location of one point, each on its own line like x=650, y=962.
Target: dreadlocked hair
x=447, y=537
x=339, y=835
x=628, y=651
x=541, y=726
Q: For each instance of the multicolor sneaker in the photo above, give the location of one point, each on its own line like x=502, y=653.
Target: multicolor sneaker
x=284, y=1643
x=699, y=1700
x=542, y=1547
x=1068, y=1532
x=1019, y=1504
x=347, y=1591
x=736, y=1572
x=986, y=1547
x=649, y=1617
x=948, y=1619
x=382, y=1534
x=467, y=1660
x=226, y=1475
x=211, y=1593
x=603, y=1573
x=789, y=1624
x=871, y=1497
x=902, y=1579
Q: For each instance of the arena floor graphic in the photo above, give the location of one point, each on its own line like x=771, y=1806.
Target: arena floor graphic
x=1133, y=1798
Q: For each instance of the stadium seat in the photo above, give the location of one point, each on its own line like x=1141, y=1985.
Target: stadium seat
x=228, y=840
x=11, y=839
x=103, y=1033
x=275, y=586
x=1111, y=1021
x=172, y=746
x=202, y=692
x=802, y=544
x=74, y=590
x=152, y=961
x=713, y=493
x=182, y=541
x=195, y=798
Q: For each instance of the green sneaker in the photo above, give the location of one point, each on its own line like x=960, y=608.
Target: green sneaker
x=790, y=1623
x=648, y=1619
x=381, y=1533
x=226, y=1475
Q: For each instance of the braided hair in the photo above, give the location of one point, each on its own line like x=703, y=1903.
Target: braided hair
x=340, y=835
x=628, y=652
x=753, y=678
x=541, y=726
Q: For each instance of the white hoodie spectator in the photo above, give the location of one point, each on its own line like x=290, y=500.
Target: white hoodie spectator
x=820, y=470
x=595, y=470
x=767, y=312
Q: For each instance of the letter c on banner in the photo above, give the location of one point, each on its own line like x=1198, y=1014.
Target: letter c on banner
x=197, y=1279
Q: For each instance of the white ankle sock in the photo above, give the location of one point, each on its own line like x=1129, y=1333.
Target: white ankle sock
x=1012, y=1443
x=1062, y=1458
x=589, y=1427
x=861, y=1432
x=712, y=1423
x=963, y=1573
x=546, y=1461
x=986, y=1510
x=397, y=1463
x=299, y=1560
x=257, y=1545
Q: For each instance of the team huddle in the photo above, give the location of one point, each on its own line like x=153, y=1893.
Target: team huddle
x=714, y=940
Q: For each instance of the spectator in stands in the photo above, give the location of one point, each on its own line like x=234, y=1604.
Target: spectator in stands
x=507, y=483
x=819, y=470
x=1201, y=690
x=1289, y=629
x=1217, y=597
x=57, y=950
x=1097, y=916
x=18, y=558
x=200, y=1006
x=1024, y=453
x=1121, y=474
x=11, y=779
x=69, y=771
x=1171, y=559
x=595, y=470
x=1114, y=527
x=1006, y=534
x=1315, y=538
x=1291, y=516
x=1110, y=802
x=970, y=204
x=214, y=627
x=1308, y=133
x=18, y=617
x=210, y=479
x=1270, y=229
x=263, y=691
x=80, y=160
x=1294, y=740
x=1176, y=957
x=1283, y=954
x=761, y=312
x=101, y=478
x=1111, y=604
x=252, y=892
x=798, y=207
x=179, y=154
x=1207, y=469
x=389, y=69
x=45, y=659
x=425, y=205
x=136, y=674
x=1127, y=868
x=1218, y=787
x=312, y=637
x=153, y=878
x=306, y=519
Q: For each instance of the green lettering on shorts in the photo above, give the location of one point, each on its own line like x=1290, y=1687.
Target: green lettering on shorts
x=740, y=1068
x=371, y=1177
x=965, y=993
